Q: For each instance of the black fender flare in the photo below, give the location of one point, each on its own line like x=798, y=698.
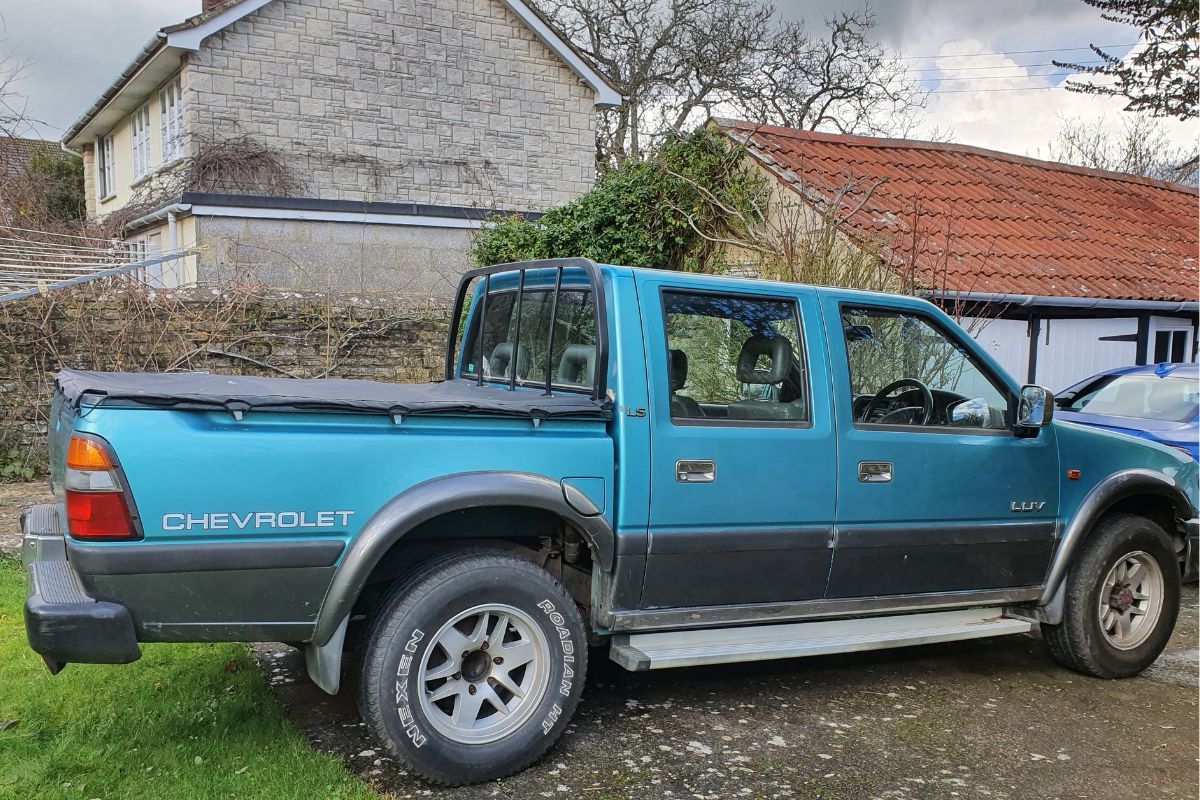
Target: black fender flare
x=1113, y=489
x=458, y=492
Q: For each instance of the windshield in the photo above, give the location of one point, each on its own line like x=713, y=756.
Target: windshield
x=1140, y=397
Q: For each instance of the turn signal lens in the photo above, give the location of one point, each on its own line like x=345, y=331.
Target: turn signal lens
x=85, y=454
x=99, y=515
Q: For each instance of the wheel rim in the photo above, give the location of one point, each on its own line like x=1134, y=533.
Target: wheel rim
x=485, y=673
x=1131, y=600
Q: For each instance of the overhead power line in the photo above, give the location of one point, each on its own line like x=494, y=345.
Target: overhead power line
x=996, y=66
x=1013, y=52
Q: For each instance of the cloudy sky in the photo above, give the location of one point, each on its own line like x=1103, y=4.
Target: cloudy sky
x=986, y=61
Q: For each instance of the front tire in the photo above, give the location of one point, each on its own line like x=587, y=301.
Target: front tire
x=473, y=667
x=1120, y=602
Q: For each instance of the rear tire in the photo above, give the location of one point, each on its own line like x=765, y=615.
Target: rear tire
x=1120, y=600
x=473, y=666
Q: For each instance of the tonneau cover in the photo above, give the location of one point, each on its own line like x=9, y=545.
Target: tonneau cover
x=205, y=391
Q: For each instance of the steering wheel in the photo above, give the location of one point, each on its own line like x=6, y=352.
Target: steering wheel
x=926, y=407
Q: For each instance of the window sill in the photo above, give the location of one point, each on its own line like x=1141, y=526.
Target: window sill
x=106, y=198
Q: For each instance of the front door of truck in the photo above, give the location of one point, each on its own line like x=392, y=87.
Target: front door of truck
x=936, y=493
x=743, y=453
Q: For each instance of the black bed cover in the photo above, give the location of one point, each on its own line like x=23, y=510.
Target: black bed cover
x=206, y=391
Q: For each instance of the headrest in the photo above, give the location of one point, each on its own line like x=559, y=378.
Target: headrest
x=577, y=367
x=502, y=361
x=778, y=350
x=679, y=367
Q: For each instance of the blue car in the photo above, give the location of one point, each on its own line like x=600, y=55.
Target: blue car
x=1157, y=402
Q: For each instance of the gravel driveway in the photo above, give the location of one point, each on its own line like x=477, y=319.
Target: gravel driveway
x=985, y=719
x=982, y=719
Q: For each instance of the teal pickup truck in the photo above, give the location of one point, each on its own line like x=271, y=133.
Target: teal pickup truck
x=674, y=469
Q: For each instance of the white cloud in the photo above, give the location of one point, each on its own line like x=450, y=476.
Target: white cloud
x=993, y=101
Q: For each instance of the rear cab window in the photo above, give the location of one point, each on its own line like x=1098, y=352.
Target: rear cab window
x=566, y=346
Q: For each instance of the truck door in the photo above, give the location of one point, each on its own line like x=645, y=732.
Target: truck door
x=936, y=493
x=743, y=456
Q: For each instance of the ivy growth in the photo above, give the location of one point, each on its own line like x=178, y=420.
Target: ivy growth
x=666, y=212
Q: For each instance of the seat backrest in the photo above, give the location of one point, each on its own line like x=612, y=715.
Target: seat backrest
x=501, y=362
x=778, y=350
x=762, y=384
x=679, y=369
x=577, y=367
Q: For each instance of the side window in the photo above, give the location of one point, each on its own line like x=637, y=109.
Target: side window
x=906, y=371
x=573, y=354
x=734, y=358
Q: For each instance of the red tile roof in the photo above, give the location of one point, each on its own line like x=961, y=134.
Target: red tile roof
x=985, y=221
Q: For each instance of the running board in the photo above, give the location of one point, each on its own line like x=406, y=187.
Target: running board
x=643, y=651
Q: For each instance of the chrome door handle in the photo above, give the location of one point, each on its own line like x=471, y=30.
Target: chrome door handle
x=874, y=471
x=692, y=471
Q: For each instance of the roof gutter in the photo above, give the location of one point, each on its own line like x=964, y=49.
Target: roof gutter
x=1075, y=303
x=158, y=215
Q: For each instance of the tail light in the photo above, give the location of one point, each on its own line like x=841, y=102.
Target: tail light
x=97, y=503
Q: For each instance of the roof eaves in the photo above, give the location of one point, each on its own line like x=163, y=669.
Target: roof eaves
x=607, y=95
x=145, y=54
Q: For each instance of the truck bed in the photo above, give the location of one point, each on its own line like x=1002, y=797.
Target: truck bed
x=206, y=391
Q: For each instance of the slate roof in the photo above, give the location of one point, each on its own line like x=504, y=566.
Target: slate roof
x=995, y=222
x=15, y=153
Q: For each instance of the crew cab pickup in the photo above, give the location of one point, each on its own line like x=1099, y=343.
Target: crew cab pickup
x=670, y=468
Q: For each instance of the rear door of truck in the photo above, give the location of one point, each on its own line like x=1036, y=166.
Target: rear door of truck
x=743, y=462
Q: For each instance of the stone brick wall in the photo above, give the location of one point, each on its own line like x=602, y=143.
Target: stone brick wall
x=297, y=335
x=451, y=102
x=398, y=260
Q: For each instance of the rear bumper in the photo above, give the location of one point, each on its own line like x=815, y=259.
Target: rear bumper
x=1191, y=551
x=62, y=622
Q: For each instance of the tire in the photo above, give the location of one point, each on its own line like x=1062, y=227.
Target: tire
x=1125, y=559
x=413, y=685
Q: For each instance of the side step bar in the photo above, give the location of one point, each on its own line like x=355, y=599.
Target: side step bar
x=643, y=651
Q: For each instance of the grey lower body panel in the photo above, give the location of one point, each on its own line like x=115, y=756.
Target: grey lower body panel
x=188, y=591
x=886, y=560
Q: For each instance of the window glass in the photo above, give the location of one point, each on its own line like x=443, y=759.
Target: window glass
x=170, y=117
x=140, y=132
x=905, y=371
x=104, y=167
x=1140, y=397
x=572, y=358
x=734, y=358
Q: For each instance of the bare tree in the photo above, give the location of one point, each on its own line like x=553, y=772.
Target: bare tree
x=1141, y=147
x=14, y=106
x=679, y=62
x=1159, y=78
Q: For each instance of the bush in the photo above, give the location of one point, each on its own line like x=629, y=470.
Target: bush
x=665, y=212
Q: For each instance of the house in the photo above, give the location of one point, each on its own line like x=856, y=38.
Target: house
x=1060, y=271
x=339, y=144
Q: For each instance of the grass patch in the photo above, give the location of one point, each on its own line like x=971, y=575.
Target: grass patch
x=186, y=721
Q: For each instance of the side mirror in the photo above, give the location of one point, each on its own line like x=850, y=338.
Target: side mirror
x=1035, y=407
x=973, y=413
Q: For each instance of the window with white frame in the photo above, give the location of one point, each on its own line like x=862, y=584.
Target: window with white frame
x=139, y=127
x=105, y=167
x=170, y=116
